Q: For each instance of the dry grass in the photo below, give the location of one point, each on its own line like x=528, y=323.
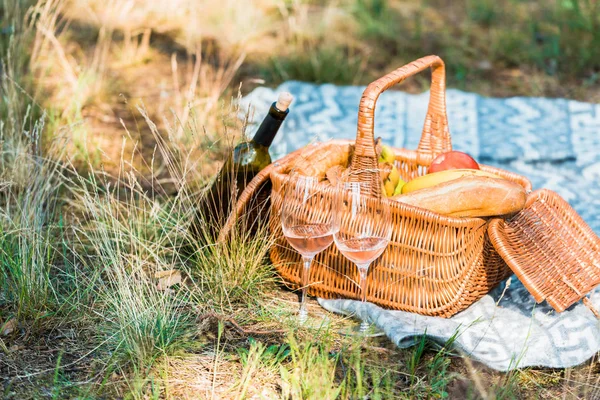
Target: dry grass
x=117, y=114
x=93, y=62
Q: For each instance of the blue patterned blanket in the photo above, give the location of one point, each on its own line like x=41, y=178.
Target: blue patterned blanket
x=554, y=142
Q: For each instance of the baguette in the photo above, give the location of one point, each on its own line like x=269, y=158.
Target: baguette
x=335, y=174
x=317, y=164
x=469, y=196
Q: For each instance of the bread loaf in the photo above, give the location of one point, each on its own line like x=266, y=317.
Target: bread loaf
x=469, y=196
x=316, y=164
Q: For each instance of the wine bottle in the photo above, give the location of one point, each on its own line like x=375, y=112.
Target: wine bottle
x=246, y=161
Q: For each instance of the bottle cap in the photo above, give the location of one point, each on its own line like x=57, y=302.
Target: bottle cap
x=284, y=100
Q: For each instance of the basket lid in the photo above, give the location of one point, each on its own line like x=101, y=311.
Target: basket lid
x=553, y=252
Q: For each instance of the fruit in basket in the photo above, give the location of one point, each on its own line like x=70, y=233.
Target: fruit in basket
x=388, y=172
x=387, y=155
x=452, y=160
x=384, y=171
x=470, y=196
x=436, y=178
x=392, y=180
x=399, y=187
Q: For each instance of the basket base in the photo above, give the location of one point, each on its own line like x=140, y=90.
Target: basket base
x=342, y=282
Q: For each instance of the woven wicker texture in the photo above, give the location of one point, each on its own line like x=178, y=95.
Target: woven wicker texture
x=550, y=248
x=434, y=265
x=435, y=138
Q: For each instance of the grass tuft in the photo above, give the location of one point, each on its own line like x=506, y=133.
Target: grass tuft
x=123, y=240
x=310, y=373
x=29, y=196
x=233, y=273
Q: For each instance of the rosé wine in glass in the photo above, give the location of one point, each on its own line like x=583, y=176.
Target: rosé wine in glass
x=363, y=229
x=307, y=223
x=364, y=250
x=309, y=239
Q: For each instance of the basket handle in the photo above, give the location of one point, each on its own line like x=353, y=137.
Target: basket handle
x=435, y=138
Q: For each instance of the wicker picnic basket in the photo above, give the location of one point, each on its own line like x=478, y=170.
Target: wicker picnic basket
x=434, y=265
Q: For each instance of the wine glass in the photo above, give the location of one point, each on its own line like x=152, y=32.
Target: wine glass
x=364, y=229
x=307, y=222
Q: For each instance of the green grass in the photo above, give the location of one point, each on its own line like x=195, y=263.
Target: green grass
x=80, y=244
x=232, y=273
x=122, y=243
x=310, y=373
x=553, y=41
x=29, y=196
x=319, y=64
x=13, y=40
x=26, y=258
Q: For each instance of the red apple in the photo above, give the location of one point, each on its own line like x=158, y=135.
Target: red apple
x=453, y=160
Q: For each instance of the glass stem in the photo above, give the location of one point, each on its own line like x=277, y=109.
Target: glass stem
x=363, y=269
x=303, y=314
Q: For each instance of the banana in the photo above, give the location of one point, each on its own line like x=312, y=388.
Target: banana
x=389, y=174
x=435, y=178
x=378, y=149
x=388, y=188
x=394, y=176
x=399, y=186
x=387, y=155
x=391, y=181
x=384, y=170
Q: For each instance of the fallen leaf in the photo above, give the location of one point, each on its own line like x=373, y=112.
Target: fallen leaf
x=166, y=279
x=8, y=327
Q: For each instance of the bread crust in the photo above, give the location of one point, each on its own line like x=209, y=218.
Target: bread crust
x=469, y=196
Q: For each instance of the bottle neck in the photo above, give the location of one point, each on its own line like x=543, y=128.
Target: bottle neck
x=270, y=125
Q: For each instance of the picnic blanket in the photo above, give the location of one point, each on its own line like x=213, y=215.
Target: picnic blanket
x=554, y=142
